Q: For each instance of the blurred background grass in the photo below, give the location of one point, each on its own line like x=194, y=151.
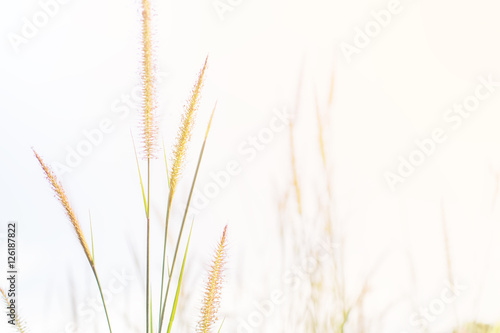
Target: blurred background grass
x=68, y=78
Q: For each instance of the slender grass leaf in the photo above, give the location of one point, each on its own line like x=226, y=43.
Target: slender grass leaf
x=185, y=214
x=91, y=237
x=176, y=299
x=220, y=328
x=140, y=179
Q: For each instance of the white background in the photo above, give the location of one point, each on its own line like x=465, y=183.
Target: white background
x=66, y=79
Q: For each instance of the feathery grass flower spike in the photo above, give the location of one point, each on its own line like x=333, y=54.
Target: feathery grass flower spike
x=19, y=324
x=184, y=134
x=178, y=157
x=211, y=300
x=63, y=199
x=186, y=210
x=150, y=128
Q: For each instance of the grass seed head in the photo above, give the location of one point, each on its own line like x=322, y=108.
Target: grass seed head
x=211, y=300
x=63, y=199
x=149, y=82
x=19, y=324
x=185, y=130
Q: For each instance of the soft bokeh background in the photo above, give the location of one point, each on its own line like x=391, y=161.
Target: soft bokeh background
x=80, y=67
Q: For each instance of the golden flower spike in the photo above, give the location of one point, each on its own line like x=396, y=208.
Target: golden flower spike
x=149, y=125
x=211, y=301
x=184, y=134
x=63, y=199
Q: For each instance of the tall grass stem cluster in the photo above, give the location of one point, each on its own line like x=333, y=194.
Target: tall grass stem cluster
x=149, y=151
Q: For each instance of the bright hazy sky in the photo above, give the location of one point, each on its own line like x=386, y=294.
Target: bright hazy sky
x=391, y=88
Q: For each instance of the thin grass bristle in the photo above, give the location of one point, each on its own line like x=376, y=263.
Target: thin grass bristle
x=296, y=184
x=211, y=301
x=320, y=132
x=63, y=199
x=185, y=130
x=332, y=86
x=150, y=128
x=18, y=322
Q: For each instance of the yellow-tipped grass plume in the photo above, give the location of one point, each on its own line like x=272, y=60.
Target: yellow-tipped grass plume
x=320, y=133
x=211, y=300
x=18, y=323
x=63, y=199
x=296, y=184
x=185, y=130
x=150, y=128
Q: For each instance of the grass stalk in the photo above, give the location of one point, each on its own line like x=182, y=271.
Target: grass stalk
x=293, y=162
x=165, y=240
x=63, y=199
x=179, y=284
x=148, y=246
x=149, y=124
x=296, y=184
x=186, y=210
x=163, y=263
x=179, y=155
x=102, y=296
